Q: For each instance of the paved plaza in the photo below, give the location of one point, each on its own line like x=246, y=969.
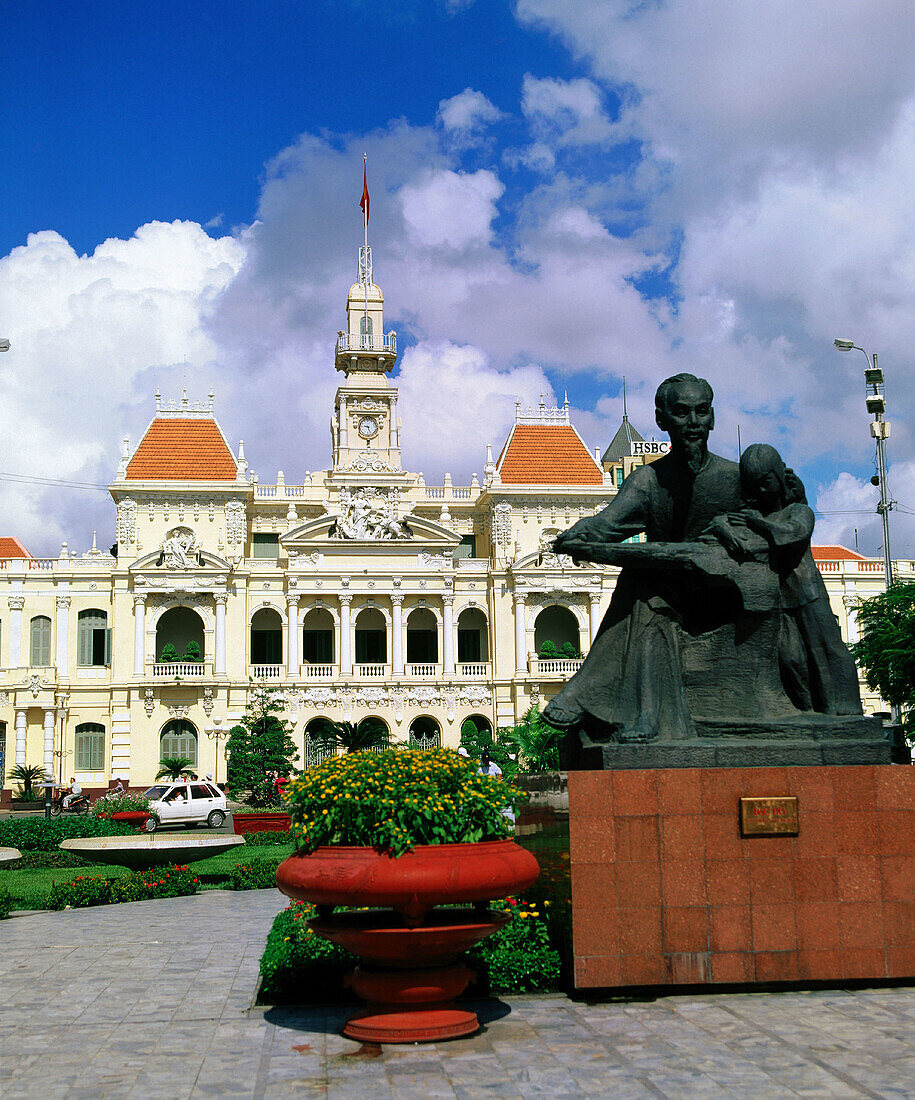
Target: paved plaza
x=153, y=999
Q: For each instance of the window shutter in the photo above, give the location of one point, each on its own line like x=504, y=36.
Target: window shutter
x=108, y=646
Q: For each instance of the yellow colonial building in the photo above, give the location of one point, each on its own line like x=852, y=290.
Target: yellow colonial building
x=362, y=592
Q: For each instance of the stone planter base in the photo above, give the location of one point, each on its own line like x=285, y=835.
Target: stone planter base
x=261, y=823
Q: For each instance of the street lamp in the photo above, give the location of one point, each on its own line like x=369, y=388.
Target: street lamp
x=880, y=430
x=216, y=734
x=4, y=345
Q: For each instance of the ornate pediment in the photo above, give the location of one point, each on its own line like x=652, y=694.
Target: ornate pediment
x=337, y=531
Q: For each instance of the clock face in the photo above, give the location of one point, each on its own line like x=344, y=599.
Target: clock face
x=368, y=426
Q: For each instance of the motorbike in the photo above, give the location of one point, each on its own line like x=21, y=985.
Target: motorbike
x=78, y=804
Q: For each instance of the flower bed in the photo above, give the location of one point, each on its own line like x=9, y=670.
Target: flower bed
x=90, y=890
x=256, y=874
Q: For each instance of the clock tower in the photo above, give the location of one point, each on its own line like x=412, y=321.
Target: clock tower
x=365, y=429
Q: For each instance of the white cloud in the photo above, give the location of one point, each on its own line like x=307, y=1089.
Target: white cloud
x=468, y=111
x=450, y=209
x=565, y=112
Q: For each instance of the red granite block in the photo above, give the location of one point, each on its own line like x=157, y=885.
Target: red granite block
x=727, y=882
x=597, y=972
x=635, y=793
x=593, y=886
x=861, y=924
x=683, y=883
x=721, y=836
x=774, y=927
x=721, y=788
x=817, y=835
x=900, y=962
x=898, y=873
x=853, y=788
x=864, y=962
x=688, y=968
x=640, y=931
x=813, y=788
x=642, y=969
x=899, y=923
x=858, y=878
x=771, y=880
x=729, y=929
x=685, y=930
x=817, y=925
x=637, y=839
x=895, y=788
x=815, y=879
x=681, y=837
x=897, y=832
x=590, y=794
x=595, y=931
x=764, y=782
x=775, y=966
x=856, y=832
x=819, y=966
x=593, y=840
x=732, y=967
x=638, y=885
x=680, y=791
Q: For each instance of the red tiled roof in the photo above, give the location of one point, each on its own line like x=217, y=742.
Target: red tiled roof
x=11, y=547
x=547, y=454
x=182, y=450
x=835, y=553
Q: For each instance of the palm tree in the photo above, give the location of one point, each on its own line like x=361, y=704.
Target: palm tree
x=370, y=733
x=25, y=775
x=174, y=767
x=536, y=742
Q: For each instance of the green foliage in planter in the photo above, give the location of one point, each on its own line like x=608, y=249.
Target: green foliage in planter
x=192, y=652
x=118, y=802
x=86, y=890
x=297, y=965
x=256, y=874
x=520, y=957
x=548, y=650
x=535, y=742
x=258, y=747
x=569, y=650
x=268, y=839
x=35, y=834
x=6, y=902
x=397, y=799
x=27, y=777
x=174, y=767
x=169, y=653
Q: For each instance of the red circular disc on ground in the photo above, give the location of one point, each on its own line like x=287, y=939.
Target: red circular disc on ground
x=425, y=1026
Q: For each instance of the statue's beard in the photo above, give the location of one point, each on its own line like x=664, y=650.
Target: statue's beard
x=692, y=453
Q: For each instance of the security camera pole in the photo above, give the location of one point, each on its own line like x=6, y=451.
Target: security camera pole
x=880, y=430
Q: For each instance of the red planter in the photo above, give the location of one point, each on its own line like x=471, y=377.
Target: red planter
x=131, y=817
x=261, y=823
x=414, y=952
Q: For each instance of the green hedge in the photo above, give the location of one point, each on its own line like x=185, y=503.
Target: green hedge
x=268, y=839
x=89, y=890
x=41, y=860
x=6, y=903
x=257, y=874
x=36, y=834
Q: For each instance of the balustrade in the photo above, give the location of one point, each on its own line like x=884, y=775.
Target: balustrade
x=371, y=672
x=478, y=670
x=423, y=670
x=267, y=672
x=184, y=670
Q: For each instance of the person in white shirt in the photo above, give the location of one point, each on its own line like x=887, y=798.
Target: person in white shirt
x=75, y=791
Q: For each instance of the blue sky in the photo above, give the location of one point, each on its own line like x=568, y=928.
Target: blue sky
x=563, y=195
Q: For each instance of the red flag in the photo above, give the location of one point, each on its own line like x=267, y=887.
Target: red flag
x=364, y=201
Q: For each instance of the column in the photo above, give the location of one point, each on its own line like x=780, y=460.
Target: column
x=594, y=619
x=292, y=637
x=49, y=719
x=21, y=719
x=221, y=599
x=448, y=631
x=63, y=639
x=346, y=636
x=520, y=635
x=16, y=603
x=344, y=428
x=139, y=635
x=397, y=634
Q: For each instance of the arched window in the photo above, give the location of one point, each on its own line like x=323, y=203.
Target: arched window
x=365, y=330
x=90, y=747
x=476, y=726
x=178, y=627
x=266, y=637
x=93, y=638
x=471, y=636
x=556, y=633
x=40, y=642
x=318, y=637
x=425, y=733
x=371, y=637
x=178, y=738
x=422, y=637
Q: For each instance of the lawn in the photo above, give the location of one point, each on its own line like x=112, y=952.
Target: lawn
x=30, y=886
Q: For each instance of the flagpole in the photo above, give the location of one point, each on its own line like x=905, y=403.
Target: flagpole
x=365, y=229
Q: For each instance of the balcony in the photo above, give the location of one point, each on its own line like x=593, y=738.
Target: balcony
x=423, y=672
x=371, y=672
x=383, y=343
x=563, y=667
x=320, y=672
x=267, y=672
x=182, y=670
x=474, y=670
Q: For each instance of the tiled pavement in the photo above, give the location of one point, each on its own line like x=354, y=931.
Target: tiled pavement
x=152, y=1000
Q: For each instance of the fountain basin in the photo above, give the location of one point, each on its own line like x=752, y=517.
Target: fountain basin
x=8, y=854
x=151, y=851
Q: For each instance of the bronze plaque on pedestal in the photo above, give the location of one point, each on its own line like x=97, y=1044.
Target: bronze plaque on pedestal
x=769, y=816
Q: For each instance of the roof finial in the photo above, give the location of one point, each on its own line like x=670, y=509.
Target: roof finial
x=625, y=414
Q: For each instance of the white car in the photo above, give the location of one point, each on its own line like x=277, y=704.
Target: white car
x=185, y=804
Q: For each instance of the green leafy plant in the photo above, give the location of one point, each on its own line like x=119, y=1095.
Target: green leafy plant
x=295, y=958
x=257, y=874
x=118, y=802
x=536, y=743
x=6, y=903
x=258, y=748
x=520, y=957
x=370, y=733
x=395, y=800
x=265, y=839
x=886, y=649
x=28, y=776
x=169, y=653
x=34, y=834
x=90, y=890
x=548, y=649
x=568, y=649
x=192, y=652
x=42, y=860
x=174, y=767
x=500, y=749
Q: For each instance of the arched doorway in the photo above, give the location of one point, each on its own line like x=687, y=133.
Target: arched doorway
x=472, y=637
x=422, y=637
x=266, y=637
x=316, y=748
x=371, y=637
x=557, y=629
x=476, y=725
x=178, y=628
x=425, y=733
x=318, y=637
x=178, y=738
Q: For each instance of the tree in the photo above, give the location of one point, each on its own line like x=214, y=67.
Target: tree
x=192, y=652
x=169, y=653
x=370, y=733
x=536, y=743
x=25, y=775
x=259, y=748
x=886, y=651
x=501, y=751
x=174, y=767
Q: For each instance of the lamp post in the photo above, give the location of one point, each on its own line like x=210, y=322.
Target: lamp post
x=880, y=430
x=4, y=345
x=216, y=734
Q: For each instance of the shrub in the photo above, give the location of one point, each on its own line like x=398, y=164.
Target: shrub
x=258, y=874
x=42, y=860
x=396, y=799
x=6, y=903
x=169, y=653
x=299, y=966
x=192, y=652
x=117, y=802
x=35, y=834
x=519, y=958
x=271, y=839
x=568, y=649
x=548, y=649
x=258, y=748
x=88, y=890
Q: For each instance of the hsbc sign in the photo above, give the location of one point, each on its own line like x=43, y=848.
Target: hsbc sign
x=649, y=447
